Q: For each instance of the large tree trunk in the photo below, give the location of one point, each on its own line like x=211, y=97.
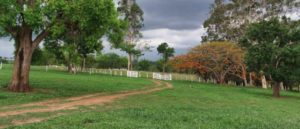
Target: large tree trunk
x=276, y=90
x=221, y=79
x=83, y=64
x=20, y=77
x=69, y=64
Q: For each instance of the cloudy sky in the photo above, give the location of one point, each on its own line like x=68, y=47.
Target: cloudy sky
x=177, y=22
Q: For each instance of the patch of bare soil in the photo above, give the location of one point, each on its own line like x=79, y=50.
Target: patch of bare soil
x=87, y=100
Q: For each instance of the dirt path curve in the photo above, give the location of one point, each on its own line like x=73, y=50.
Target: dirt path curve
x=86, y=100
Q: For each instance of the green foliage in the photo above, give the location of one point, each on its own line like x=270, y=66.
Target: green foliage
x=160, y=66
x=3, y=61
x=144, y=64
x=165, y=51
x=229, y=20
x=122, y=63
x=111, y=60
x=90, y=61
x=133, y=14
x=37, y=57
x=273, y=47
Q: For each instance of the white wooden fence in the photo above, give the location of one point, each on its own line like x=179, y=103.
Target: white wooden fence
x=162, y=77
x=132, y=74
x=166, y=77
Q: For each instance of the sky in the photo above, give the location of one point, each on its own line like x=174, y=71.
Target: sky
x=177, y=22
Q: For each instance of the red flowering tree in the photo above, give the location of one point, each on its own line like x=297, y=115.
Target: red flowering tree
x=220, y=58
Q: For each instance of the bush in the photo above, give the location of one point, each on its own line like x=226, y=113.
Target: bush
x=3, y=61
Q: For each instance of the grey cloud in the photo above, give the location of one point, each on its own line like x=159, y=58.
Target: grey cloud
x=174, y=14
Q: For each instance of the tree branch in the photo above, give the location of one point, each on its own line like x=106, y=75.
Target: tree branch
x=44, y=33
x=11, y=31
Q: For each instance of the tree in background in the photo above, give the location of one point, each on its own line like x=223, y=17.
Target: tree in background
x=111, y=60
x=220, y=58
x=273, y=47
x=144, y=64
x=4, y=61
x=90, y=61
x=133, y=14
x=22, y=19
x=130, y=49
x=37, y=57
x=122, y=62
x=166, y=52
x=73, y=44
x=230, y=19
x=160, y=66
x=142, y=47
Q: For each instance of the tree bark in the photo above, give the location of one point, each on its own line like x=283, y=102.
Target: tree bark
x=245, y=79
x=20, y=77
x=251, y=82
x=69, y=64
x=276, y=90
x=264, y=82
x=221, y=79
x=129, y=62
x=129, y=35
x=281, y=86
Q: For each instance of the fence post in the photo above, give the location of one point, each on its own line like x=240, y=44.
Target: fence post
x=90, y=72
x=192, y=78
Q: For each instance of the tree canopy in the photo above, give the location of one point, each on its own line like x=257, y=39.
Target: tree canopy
x=230, y=19
x=273, y=47
x=166, y=52
x=220, y=58
x=28, y=22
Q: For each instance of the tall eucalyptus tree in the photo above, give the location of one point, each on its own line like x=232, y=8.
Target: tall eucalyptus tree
x=133, y=14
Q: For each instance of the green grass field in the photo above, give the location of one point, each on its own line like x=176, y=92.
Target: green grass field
x=58, y=83
x=188, y=105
